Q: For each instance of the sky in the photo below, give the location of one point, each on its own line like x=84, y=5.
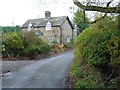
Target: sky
x=17, y=12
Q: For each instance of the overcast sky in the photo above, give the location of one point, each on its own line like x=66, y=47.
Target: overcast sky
x=18, y=11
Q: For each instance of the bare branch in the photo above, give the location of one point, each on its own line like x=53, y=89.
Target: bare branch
x=98, y=8
x=104, y=14
x=109, y=3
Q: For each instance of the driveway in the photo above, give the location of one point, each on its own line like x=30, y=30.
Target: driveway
x=46, y=73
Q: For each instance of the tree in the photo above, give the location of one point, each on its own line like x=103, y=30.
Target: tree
x=81, y=20
x=91, y=6
x=10, y=28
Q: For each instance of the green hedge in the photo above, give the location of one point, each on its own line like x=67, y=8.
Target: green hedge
x=97, y=55
x=95, y=46
x=29, y=45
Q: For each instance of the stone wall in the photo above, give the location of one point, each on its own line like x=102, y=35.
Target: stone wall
x=49, y=35
x=66, y=31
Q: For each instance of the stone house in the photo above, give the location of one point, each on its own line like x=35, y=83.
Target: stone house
x=50, y=29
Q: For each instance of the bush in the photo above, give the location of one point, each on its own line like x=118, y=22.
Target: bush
x=97, y=56
x=45, y=48
x=26, y=45
x=55, y=47
x=13, y=43
x=92, y=44
x=31, y=50
x=34, y=45
x=114, y=50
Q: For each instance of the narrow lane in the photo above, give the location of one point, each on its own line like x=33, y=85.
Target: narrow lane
x=47, y=73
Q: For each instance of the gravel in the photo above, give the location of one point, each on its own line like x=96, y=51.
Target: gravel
x=12, y=66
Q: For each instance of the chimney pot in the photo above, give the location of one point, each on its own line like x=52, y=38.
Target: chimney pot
x=47, y=14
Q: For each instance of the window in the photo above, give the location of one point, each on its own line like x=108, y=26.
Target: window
x=29, y=27
x=68, y=38
x=48, y=26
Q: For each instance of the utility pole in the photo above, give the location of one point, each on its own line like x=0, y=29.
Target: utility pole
x=13, y=22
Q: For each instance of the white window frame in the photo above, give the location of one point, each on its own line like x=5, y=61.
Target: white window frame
x=48, y=26
x=68, y=38
x=29, y=27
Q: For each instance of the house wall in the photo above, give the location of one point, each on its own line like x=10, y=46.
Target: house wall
x=66, y=31
x=49, y=35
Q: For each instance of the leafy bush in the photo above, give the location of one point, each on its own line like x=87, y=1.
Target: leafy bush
x=34, y=45
x=114, y=50
x=31, y=50
x=85, y=76
x=30, y=38
x=26, y=45
x=92, y=45
x=97, y=56
x=45, y=48
x=13, y=43
x=55, y=47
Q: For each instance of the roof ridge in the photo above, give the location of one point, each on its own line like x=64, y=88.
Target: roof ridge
x=41, y=21
x=44, y=18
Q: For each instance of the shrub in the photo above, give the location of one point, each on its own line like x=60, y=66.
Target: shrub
x=13, y=43
x=85, y=76
x=45, y=48
x=92, y=45
x=30, y=38
x=114, y=50
x=97, y=54
x=55, y=47
x=34, y=45
x=31, y=50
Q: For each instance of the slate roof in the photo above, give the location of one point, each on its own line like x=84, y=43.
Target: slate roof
x=41, y=22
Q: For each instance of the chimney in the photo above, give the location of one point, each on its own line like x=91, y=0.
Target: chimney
x=47, y=14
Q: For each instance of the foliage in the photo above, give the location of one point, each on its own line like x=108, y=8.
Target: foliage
x=92, y=44
x=13, y=42
x=79, y=20
x=31, y=50
x=26, y=45
x=114, y=50
x=85, y=76
x=55, y=47
x=10, y=28
x=34, y=45
x=97, y=55
x=45, y=48
x=30, y=38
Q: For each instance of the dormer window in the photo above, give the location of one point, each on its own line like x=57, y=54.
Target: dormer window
x=48, y=26
x=29, y=27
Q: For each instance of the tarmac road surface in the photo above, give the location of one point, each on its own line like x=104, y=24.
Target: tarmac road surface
x=46, y=73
